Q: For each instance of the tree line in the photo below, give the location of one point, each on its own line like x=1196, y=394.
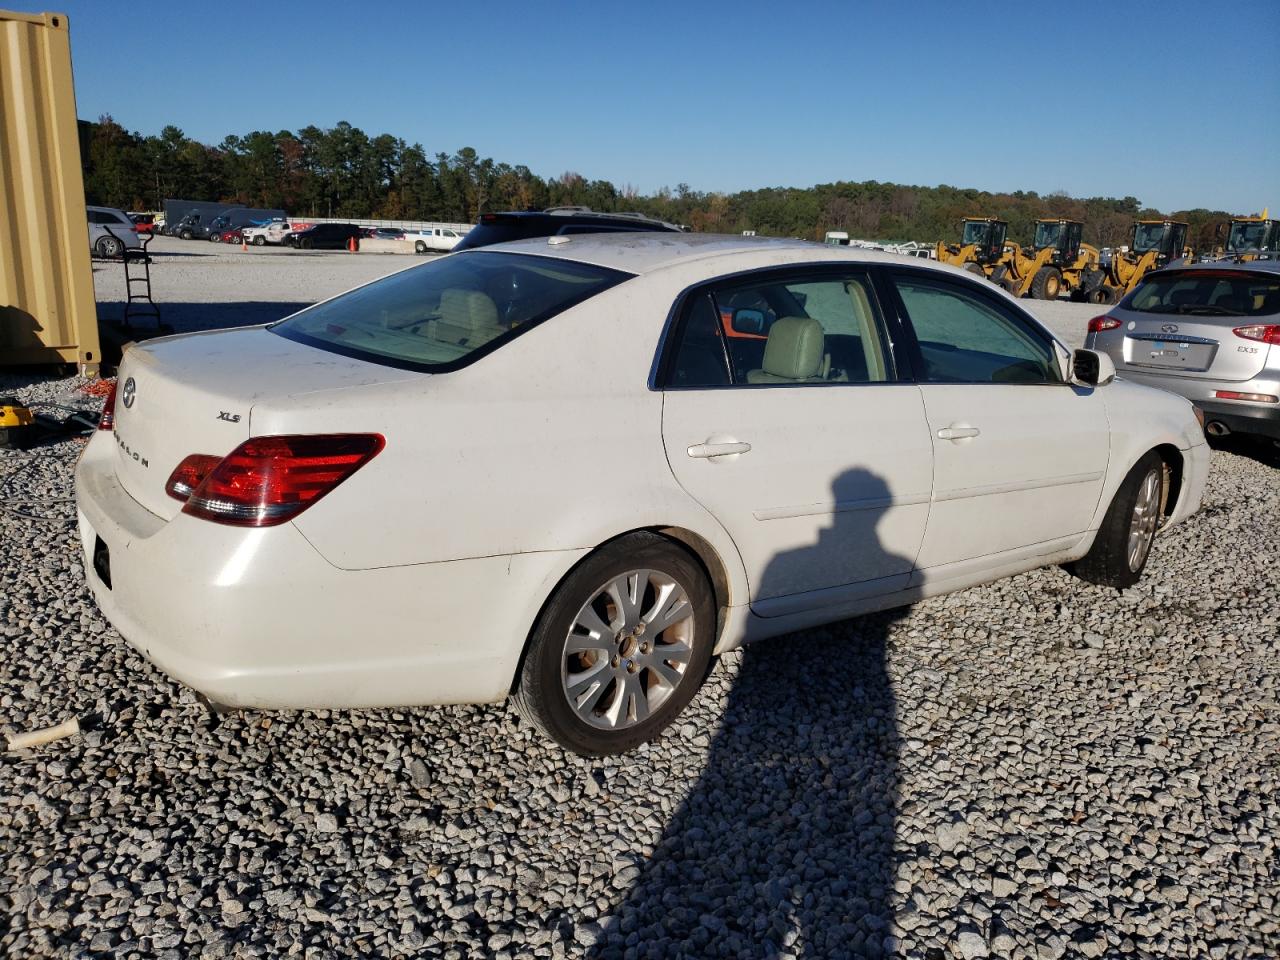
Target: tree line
x=344, y=172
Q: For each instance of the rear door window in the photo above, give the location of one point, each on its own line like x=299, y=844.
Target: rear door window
x=782, y=330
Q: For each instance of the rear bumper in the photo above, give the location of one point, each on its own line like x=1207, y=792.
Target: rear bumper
x=1243, y=417
x=258, y=618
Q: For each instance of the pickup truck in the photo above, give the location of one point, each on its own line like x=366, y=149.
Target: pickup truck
x=437, y=239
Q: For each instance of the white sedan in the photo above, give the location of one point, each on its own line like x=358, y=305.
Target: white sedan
x=573, y=470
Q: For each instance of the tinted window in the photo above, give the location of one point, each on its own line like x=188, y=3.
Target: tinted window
x=501, y=231
x=966, y=338
x=444, y=314
x=1208, y=294
x=699, y=358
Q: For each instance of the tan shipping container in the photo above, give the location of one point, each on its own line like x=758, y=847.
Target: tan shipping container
x=47, y=309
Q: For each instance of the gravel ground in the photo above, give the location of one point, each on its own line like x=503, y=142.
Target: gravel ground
x=1035, y=768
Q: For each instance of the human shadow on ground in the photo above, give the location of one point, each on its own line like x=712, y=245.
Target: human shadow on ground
x=785, y=846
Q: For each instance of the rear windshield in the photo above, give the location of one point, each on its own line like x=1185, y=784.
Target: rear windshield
x=1208, y=294
x=445, y=314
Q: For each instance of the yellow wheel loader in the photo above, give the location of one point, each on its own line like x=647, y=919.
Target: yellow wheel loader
x=1155, y=243
x=1254, y=238
x=981, y=246
x=1056, y=261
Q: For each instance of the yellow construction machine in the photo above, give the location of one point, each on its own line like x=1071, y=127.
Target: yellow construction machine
x=1254, y=238
x=1056, y=261
x=1155, y=243
x=981, y=245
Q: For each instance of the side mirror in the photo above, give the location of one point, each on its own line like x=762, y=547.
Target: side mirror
x=748, y=321
x=1092, y=368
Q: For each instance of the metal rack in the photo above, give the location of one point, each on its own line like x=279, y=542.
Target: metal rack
x=137, y=283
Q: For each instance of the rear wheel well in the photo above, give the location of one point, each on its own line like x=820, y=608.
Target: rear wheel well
x=688, y=541
x=1171, y=456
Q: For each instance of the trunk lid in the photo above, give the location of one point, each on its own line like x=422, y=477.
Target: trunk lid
x=195, y=394
x=1191, y=347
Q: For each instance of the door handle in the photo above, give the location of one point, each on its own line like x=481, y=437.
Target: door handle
x=958, y=431
x=704, y=451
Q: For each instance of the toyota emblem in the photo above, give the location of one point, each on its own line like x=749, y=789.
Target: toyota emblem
x=1168, y=328
x=130, y=392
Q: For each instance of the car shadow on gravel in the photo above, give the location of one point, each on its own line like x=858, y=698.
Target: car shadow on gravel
x=785, y=846
x=1261, y=449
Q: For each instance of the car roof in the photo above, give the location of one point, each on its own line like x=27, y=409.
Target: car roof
x=648, y=252
x=584, y=214
x=1264, y=266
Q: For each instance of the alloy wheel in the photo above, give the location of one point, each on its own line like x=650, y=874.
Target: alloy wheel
x=1142, y=525
x=628, y=649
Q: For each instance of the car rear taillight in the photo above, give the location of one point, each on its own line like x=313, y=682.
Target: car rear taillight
x=1104, y=322
x=1262, y=332
x=268, y=480
x=108, y=419
x=189, y=474
x=1251, y=397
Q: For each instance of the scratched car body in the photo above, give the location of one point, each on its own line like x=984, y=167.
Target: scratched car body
x=573, y=470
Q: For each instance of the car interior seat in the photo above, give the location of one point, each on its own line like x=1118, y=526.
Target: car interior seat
x=467, y=318
x=794, y=353
x=1235, y=303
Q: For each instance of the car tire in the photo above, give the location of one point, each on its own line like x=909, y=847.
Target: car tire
x=108, y=247
x=1106, y=295
x=304, y=244
x=259, y=240
x=420, y=247
x=630, y=686
x=1123, y=543
x=215, y=238
x=1046, y=284
x=185, y=235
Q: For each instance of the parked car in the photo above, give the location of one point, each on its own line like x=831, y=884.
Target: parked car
x=324, y=236
x=443, y=495
x=438, y=239
x=193, y=226
x=234, y=235
x=110, y=231
x=388, y=233
x=367, y=233
x=144, y=222
x=1209, y=332
x=556, y=221
x=273, y=232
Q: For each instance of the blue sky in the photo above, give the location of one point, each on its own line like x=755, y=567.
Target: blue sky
x=1175, y=103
